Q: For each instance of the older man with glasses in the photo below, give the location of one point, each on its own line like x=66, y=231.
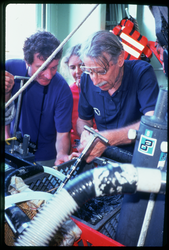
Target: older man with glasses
x=114, y=91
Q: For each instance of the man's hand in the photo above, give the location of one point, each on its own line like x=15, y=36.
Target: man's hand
x=61, y=158
x=96, y=149
x=84, y=139
x=9, y=82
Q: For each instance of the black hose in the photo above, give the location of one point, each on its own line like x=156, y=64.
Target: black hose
x=103, y=181
x=118, y=154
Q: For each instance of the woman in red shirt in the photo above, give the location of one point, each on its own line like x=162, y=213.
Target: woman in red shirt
x=70, y=64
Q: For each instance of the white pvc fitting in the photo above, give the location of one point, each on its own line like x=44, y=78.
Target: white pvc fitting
x=132, y=134
x=164, y=146
x=149, y=180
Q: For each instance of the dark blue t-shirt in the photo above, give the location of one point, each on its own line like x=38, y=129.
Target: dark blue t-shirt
x=136, y=96
x=56, y=113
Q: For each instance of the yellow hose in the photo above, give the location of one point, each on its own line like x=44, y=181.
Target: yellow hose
x=10, y=139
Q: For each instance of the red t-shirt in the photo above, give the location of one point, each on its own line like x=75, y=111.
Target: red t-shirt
x=74, y=135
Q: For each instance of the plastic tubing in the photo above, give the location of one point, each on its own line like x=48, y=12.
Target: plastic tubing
x=23, y=172
x=28, y=171
x=54, y=172
x=108, y=180
x=26, y=196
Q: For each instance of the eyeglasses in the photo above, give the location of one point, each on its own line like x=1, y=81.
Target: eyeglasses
x=90, y=71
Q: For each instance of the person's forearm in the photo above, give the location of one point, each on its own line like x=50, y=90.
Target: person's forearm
x=120, y=136
x=80, y=125
x=62, y=147
x=63, y=143
x=115, y=136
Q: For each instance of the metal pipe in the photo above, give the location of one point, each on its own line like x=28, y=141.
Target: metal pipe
x=127, y=13
x=161, y=106
x=147, y=219
x=49, y=59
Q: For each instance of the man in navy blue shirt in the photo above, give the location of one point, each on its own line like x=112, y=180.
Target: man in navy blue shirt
x=46, y=103
x=113, y=91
